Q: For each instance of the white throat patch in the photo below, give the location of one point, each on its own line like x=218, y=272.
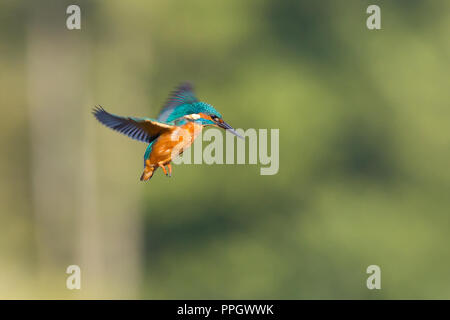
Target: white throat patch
x=192, y=116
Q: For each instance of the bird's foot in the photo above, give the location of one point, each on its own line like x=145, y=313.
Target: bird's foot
x=163, y=168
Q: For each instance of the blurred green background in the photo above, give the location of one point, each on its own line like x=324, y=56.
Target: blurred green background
x=364, y=150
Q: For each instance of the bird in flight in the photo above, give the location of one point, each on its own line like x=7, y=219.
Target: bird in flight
x=180, y=121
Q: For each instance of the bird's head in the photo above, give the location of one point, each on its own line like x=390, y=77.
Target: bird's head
x=211, y=117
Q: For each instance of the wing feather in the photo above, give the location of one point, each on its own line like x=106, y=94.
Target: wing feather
x=141, y=129
x=181, y=97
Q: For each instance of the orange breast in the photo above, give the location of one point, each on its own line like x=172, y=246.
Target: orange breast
x=172, y=143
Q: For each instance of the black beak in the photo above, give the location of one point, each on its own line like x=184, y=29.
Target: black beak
x=229, y=128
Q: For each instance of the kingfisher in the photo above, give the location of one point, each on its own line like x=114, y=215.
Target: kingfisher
x=180, y=121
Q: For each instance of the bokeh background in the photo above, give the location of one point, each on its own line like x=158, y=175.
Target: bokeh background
x=364, y=150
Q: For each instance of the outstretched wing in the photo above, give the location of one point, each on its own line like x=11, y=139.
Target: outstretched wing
x=142, y=129
x=179, y=100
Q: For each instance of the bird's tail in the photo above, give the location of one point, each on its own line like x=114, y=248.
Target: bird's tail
x=147, y=174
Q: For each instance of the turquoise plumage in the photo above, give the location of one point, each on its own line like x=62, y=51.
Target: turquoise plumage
x=183, y=102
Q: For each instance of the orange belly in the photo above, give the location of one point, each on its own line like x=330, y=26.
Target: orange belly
x=169, y=145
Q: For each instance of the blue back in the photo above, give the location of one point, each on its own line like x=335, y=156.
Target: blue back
x=183, y=102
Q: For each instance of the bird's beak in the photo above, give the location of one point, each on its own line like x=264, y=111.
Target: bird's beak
x=229, y=128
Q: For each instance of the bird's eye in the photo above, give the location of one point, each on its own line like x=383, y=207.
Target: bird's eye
x=214, y=117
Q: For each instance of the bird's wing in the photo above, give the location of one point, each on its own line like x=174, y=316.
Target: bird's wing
x=142, y=129
x=180, y=99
